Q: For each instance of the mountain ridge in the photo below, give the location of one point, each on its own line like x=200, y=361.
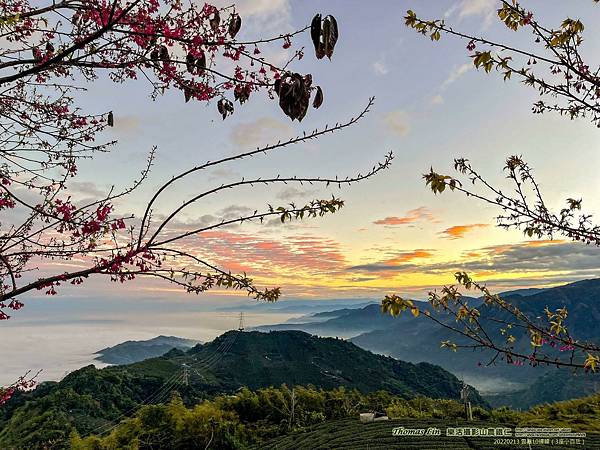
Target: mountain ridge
x=128, y=352
x=89, y=398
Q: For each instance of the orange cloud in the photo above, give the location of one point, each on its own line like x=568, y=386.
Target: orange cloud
x=543, y=242
x=400, y=262
x=459, y=231
x=405, y=257
x=412, y=216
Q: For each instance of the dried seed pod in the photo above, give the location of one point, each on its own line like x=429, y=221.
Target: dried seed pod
x=315, y=33
x=215, y=21
x=277, y=85
x=225, y=107
x=164, y=53
x=187, y=93
x=241, y=93
x=201, y=64
x=235, y=23
x=330, y=35
x=110, y=120
x=324, y=35
x=190, y=62
x=318, y=101
x=294, y=95
x=308, y=80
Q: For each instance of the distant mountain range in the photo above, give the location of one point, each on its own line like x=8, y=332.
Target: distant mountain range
x=299, y=306
x=419, y=340
x=90, y=399
x=133, y=351
x=555, y=385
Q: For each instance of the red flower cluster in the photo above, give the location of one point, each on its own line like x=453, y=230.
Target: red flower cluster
x=6, y=201
x=20, y=385
x=64, y=209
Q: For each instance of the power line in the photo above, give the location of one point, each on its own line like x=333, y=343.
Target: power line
x=164, y=396
x=216, y=355
x=222, y=354
x=171, y=380
x=161, y=396
x=179, y=377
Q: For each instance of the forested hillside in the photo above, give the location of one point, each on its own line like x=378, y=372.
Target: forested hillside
x=309, y=419
x=91, y=399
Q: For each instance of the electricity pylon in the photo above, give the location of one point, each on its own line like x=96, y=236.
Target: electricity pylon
x=241, y=325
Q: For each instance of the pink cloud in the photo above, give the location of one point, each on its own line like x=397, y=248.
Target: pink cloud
x=412, y=216
x=254, y=254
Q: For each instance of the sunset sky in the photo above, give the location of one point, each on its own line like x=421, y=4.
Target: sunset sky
x=393, y=235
